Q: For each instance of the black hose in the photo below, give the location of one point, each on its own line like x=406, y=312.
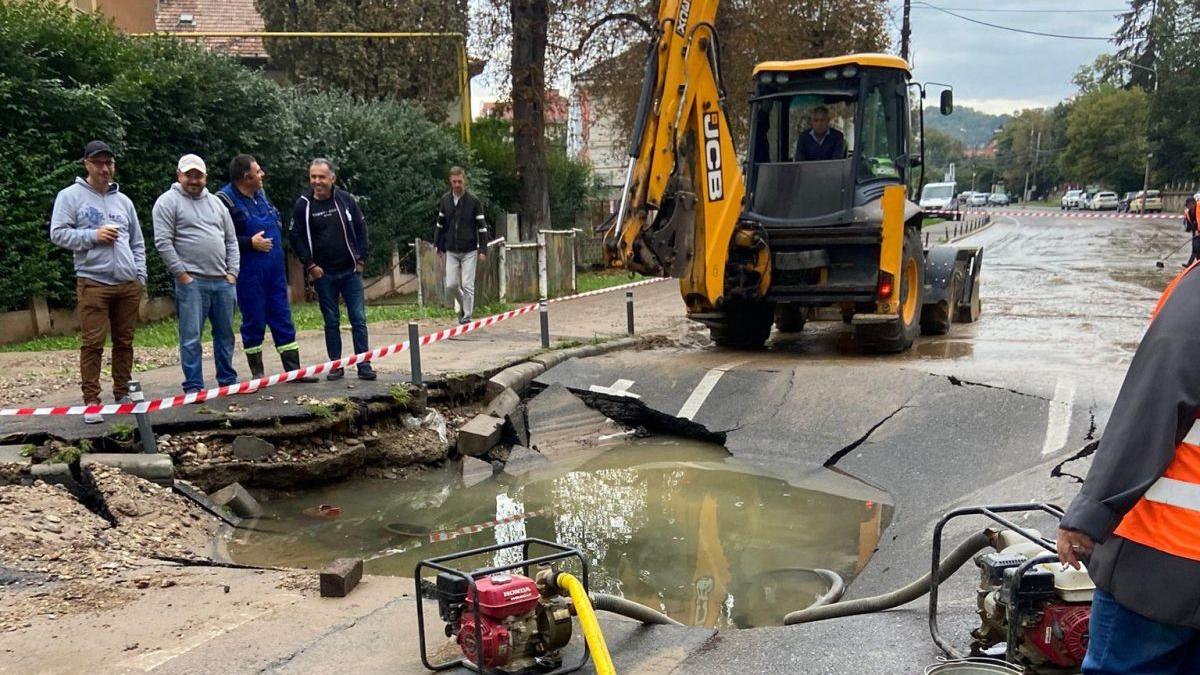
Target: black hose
x=964, y=552
x=611, y=603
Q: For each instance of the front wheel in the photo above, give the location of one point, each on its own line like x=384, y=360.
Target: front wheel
x=897, y=336
x=746, y=324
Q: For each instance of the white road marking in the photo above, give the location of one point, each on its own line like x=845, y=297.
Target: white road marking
x=1058, y=416
x=229, y=622
x=704, y=388
x=618, y=388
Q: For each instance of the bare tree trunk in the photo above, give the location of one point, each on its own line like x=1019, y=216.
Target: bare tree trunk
x=530, y=19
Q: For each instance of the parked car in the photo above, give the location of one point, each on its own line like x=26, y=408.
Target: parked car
x=998, y=199
x=977, y=199
x=1146, y=201
x=1123, y=203
x=938, y=197
x=1071, y=199
x=1104, y=201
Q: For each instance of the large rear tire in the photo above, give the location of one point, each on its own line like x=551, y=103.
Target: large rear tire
x=746, y=325
x=897, y=336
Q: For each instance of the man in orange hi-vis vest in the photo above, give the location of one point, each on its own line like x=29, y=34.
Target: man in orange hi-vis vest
x=1136, y=521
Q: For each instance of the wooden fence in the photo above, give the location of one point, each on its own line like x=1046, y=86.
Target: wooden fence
x=521, y=272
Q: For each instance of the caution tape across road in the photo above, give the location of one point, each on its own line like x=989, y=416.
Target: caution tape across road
x=251, y=386
x=1056, y=214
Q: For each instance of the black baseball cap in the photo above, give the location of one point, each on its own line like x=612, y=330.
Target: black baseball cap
x=97, y=148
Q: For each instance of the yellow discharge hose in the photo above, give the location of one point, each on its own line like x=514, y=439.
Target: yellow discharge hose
x=587, y=618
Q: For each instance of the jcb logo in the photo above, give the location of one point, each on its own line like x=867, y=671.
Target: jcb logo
x=712, y=157
x=685, y=8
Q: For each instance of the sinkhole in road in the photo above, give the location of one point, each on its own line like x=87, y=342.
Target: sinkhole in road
x=675, y=524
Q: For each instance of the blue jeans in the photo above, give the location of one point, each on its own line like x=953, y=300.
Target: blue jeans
x=349, y=286
x=214, y=300
x=1121, y=641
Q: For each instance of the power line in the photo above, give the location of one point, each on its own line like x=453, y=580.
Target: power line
x=1010, y=28
x=1037, y=11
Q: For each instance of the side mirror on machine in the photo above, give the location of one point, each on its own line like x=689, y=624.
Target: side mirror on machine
x=947, y=101
x=915, y=161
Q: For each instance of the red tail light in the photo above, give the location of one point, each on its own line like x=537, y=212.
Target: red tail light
x=887, y=284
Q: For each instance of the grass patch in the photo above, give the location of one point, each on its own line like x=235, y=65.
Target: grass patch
x=926, y=222
x=596, y=280
x=71, y=453
x=122, y=431
x=28, y=449
x=399, y=394
x=306, y=316
x=320, y=410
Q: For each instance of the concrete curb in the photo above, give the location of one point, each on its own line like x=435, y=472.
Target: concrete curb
x=519, y=376
x=990, y=221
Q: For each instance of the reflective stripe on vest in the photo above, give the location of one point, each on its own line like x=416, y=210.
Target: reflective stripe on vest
x=1167, y=517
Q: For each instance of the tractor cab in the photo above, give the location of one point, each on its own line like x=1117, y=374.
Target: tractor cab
x=827, y=135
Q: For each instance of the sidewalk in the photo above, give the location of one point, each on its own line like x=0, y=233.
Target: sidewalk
x=658, y=308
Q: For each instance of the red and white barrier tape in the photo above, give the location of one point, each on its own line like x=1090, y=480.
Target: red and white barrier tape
x=1057, y=214
x=447, y=535
x=250, y=386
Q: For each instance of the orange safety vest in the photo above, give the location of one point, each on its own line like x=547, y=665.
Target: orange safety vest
x=1167, y=517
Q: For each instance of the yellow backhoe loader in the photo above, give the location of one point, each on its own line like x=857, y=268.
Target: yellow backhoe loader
x=819, y=214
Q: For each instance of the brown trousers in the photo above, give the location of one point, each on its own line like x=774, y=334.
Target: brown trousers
x=100, y=306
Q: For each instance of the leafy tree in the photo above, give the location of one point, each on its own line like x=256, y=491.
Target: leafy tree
x=393, y=159
x=1103, y=143
x=415, y=69
x=941, y=150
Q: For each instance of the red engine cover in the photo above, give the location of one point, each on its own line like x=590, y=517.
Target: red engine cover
x=503, y=595
x=497, y=645
x=500, y=596
x=1062, y=634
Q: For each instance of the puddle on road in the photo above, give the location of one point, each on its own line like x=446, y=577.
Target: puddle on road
x=673, y=524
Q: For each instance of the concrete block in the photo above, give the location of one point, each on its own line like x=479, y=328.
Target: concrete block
x=252, y=448
x=238, y=500
x=153, y=467
x=518, y=422
x=341, y=577
x=479, y=435
x=522, y=460
x=551, y=359
x=504, y=404
x=54, y=474
x=475, y=471
x=11, y=454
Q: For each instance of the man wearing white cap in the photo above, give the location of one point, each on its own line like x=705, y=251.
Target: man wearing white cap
x=195, y=237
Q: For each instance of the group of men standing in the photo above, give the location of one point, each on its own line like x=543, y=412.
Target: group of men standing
x=224, y=250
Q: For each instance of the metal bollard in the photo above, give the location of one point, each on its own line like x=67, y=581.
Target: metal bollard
x=629, y=312
x=544, y=313
x=414, y=351
x=145, y=431
x=926, y=240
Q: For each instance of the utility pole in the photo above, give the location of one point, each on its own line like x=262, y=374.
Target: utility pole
x=905, y=31
x=1146, y=179
x=1037, y=151
x=1025, y=192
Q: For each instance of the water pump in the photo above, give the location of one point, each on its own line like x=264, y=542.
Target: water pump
x=1041, y=611
x=521, y=623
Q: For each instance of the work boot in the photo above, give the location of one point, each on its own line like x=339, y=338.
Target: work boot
x=291, y=361
x=256, y=364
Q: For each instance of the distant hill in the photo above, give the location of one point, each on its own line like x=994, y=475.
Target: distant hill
x=970, y=126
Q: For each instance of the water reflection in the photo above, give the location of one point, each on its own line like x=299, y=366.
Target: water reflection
x=675, y=525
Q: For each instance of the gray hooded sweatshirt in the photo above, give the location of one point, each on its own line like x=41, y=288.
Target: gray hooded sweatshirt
x=79, y=211
x=195, y=234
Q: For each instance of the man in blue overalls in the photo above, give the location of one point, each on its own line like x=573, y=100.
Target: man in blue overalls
x=262, y=289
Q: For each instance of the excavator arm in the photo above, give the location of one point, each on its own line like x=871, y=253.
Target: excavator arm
x=684, y=187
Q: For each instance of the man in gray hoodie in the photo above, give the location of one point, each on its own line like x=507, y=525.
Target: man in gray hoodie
x=194, y=234
x=99, y=224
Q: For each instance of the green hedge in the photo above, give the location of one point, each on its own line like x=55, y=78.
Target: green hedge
x=67, y=77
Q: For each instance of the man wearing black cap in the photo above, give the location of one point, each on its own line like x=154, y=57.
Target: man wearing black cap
x=99, y=224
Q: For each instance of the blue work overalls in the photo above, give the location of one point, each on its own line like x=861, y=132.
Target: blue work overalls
x=262, y=289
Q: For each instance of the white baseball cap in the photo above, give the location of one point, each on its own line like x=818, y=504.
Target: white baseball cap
x=189, y=162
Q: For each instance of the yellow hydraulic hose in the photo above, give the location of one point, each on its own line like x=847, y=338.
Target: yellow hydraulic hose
x=587, y=618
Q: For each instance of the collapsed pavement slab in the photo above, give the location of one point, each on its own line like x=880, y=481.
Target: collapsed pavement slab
x=479, y=435
x=252, y=448
x=560, y=424
x=475, y=471
x=522, y=460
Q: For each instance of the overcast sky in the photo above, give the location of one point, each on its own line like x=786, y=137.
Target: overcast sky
x=1000, y=71
x=993, y=70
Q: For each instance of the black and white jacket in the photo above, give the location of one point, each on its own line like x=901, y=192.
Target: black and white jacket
x=460, y=227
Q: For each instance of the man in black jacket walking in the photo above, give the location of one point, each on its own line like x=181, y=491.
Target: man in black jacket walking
x=329, y=235
x=461, y=236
